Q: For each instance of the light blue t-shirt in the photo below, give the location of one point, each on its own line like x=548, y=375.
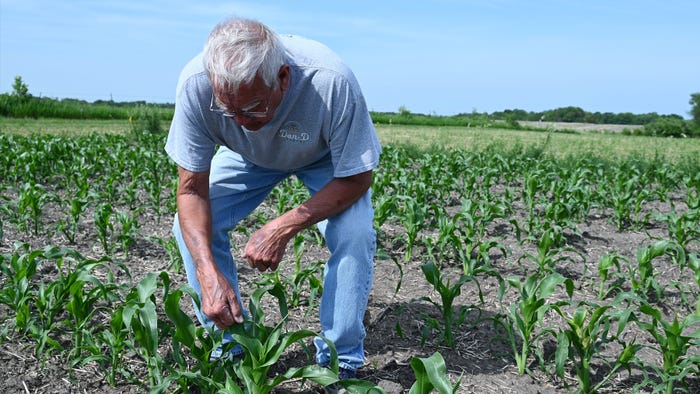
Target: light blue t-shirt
x=322, y=113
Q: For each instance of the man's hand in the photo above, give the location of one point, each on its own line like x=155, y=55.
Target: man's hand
x=266, y=247
x=219, y=302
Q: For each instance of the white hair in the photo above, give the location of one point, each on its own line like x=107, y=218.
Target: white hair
x=238, y=50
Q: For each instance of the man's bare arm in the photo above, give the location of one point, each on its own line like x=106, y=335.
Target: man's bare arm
x=265, y=248
x=219, y=301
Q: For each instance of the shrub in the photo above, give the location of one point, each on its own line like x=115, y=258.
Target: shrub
x=669, y=128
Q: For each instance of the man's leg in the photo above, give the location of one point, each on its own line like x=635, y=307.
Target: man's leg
x=236, y=188
x=348, y=273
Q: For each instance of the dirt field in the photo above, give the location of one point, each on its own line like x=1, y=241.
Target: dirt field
x=482, y=360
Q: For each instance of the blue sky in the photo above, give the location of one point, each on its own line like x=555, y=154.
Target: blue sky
x=436, y=57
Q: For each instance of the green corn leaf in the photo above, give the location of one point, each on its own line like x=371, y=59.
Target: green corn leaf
x=562, y=353
x=286, y=340
x=185, y=330
x=252, y=344
x=315, y=373
x=149, y=320
x=431, y=373
x=147, y=286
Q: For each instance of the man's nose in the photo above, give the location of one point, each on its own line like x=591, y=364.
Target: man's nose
x=242, y=120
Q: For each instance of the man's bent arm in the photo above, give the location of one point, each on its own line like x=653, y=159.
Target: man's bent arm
x=265, y=248
x=218, y=301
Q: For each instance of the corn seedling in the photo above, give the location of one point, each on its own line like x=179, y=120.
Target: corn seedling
x=127, y=230
x=683, y=229
x=17, y=290
x=170, y=246
x=526, y=315
x=673, y=342
x=609, y=267
x=139, y=317
x=550, y=252
x=643, y=277
x=451, y=319
x=30, y=204
x=694, y=264
x=198, y=343
x=105, y=226
x=264, y=345
x=431, y=375
x=413, y=215
x=69, y=226
x=586, y=333
x=626, y=198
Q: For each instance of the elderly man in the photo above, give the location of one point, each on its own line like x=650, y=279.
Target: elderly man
x=275, y=106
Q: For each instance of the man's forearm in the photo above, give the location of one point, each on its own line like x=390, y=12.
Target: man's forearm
x=335, y=197
x=195, y=222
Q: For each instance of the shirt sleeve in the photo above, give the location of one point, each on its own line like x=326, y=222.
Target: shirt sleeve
x=354, y=144
x=189, y=143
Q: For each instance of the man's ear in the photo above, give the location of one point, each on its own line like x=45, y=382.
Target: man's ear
x=284, y=75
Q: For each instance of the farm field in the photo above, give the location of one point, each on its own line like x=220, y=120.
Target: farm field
x=531, y=262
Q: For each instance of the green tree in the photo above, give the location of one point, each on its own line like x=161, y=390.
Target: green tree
x=695, y=109
x=20, y=89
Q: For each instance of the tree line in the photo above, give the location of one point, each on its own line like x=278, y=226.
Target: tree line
x=20, y=103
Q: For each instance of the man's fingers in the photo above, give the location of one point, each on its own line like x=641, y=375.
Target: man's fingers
x=229, y=315
x=260, y=265
x=223, y=320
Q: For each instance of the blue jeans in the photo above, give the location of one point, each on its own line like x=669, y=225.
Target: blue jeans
x=237, y=187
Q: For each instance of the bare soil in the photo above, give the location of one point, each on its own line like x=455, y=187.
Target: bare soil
x=481, y=360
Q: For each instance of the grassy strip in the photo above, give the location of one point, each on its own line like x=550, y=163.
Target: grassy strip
x=607, y=146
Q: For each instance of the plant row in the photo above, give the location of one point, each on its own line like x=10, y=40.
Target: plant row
x=455, y=209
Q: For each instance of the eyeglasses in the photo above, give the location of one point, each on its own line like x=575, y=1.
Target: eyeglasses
x=214, y=107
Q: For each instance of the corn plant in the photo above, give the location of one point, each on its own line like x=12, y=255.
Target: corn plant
x=30, y=204
x=606, y=264
x=305, y=278
x=113, y=343
x=431, y=375
x=694, y=264
x=287, y=194
x=385, y=206
x=448, y=293
x=86, y=295
x=532, y=184
x=448, y=241
x=674, y=344
x=128, y=229
x=138, y=316
x=684, y=228
x=550, y=251
x=17, y=290
x=197, y=343
x=105, y=226
x=643, y=277
x=264, y=346
x=69, y=226
x=301, y=279
x=586, y=333
x=471, y=225
x=413, y=215
x=170, y=246
x=626, y=198
x=77, y=291
x=526, y=315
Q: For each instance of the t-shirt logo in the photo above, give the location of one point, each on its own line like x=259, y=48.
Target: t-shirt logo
x=293, y=131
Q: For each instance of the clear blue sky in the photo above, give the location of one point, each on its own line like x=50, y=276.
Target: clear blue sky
x=437, y=57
